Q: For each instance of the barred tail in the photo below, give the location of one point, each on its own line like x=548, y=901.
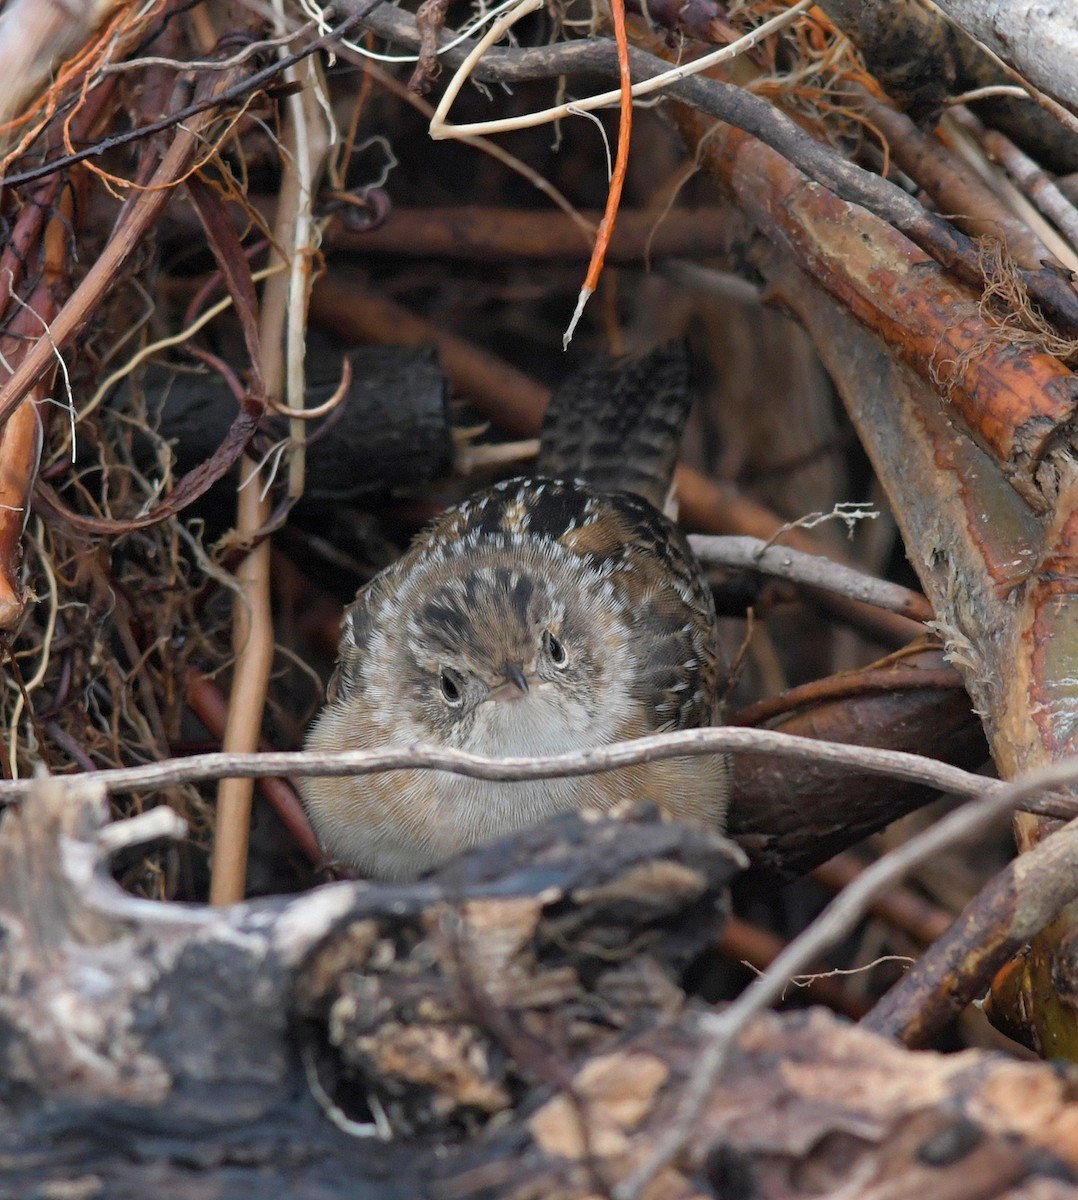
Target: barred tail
x=618, y=427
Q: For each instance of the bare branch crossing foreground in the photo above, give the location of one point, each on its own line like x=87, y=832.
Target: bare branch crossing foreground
x=912, y=767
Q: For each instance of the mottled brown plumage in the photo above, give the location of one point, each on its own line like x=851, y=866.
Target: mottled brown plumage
x=540, y=616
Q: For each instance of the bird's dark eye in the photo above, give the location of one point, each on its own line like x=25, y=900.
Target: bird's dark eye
x=451, y=686
x=556, y=652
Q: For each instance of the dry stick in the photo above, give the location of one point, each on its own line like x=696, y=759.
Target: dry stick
x=1008, y=913
x=1026, y=173
x=914, y=768
x=252, y=616
x=834, y=923
x=812, y=569
x=252, y=641
x=20, y=455
x=487, y=233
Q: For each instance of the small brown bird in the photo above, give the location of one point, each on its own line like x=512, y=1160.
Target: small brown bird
x=547, y=614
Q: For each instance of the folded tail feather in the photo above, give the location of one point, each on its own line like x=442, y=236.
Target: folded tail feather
x=617, y=427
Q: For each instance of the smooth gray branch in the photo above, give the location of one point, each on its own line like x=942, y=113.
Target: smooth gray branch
x=811, y=569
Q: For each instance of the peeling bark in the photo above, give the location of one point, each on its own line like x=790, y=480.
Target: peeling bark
x=515, y=1027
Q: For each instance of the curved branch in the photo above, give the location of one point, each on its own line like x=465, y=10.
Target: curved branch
x=912, y=767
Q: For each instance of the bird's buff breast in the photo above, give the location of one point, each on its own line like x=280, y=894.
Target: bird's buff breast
x=399, y=824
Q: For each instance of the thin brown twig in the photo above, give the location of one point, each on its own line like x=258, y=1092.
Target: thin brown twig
x=252, y=641
x=758, y=948
x=209, y=64
x=489, y=233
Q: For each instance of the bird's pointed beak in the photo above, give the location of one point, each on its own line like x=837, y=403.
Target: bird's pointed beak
x=515, y=686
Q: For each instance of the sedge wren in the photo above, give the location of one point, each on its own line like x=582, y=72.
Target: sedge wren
x=557, y=612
